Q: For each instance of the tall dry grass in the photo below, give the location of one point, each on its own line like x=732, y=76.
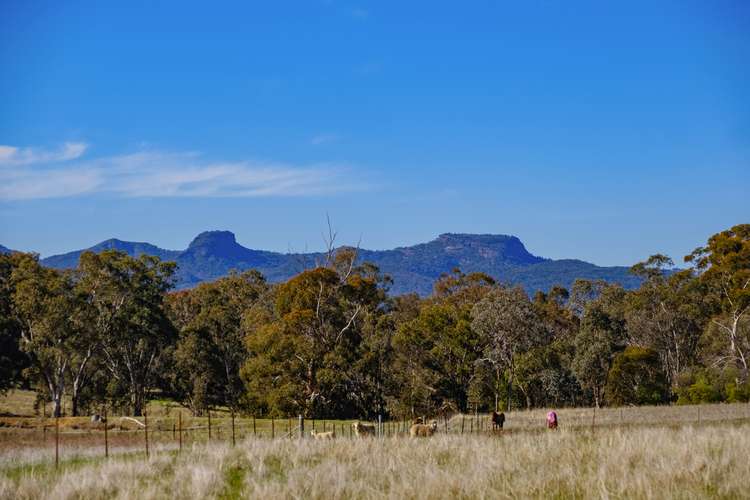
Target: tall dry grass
x=631, y=415
x=618, y=462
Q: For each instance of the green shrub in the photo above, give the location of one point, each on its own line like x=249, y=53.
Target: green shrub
x=711, y=386
x=737, y=393
x=702, y=391
x=636, y=378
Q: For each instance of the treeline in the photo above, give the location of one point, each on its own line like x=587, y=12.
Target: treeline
x=331, y=343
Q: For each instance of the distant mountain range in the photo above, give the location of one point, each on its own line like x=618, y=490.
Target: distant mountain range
x=213, y=254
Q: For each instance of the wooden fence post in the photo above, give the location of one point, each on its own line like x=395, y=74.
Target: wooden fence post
x=254, y=433
x=44, y=421
x=380, y=426
x=106, y=440
x=209, y=424
x=57, y=442
x=301, y=427
x=145, y=429
x=179, y=417
x=462, y=424
x=273, y=430
x=233, y=442
x=289, y=426
x=593, y=420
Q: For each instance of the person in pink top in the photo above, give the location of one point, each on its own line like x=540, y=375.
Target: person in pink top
x=552, y=420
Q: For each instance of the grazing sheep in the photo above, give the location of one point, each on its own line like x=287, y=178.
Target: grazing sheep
x=423, y=430
x=322, y=435
x=498, y=420
x=552, y=420
x=362, y=429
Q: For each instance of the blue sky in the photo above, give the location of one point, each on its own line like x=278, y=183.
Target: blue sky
x=590, y=130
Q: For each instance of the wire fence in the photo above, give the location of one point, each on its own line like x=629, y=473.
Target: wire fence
x=67, y=437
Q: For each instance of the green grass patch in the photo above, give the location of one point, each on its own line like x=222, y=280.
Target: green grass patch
x=274, y=468
x=234, y=482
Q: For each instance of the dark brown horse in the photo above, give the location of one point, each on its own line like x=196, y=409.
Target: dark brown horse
x=498, y=420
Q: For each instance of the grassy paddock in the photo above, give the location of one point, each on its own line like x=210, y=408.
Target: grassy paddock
x=632, y=415
x=638, y=452
x=33, y=439
x=689, y=461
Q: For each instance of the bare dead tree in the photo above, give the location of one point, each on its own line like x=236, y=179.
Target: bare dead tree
x=329, y=241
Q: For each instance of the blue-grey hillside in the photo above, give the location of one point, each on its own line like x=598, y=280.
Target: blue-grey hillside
x=133, y=248
x=213, y=254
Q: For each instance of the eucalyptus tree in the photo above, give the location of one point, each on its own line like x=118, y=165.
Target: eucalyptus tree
x=667, y=314
x=545, y=376
x=211, y=347
x=601, y=336
x=508, y=326
x=583, y=292
x=12, y=360
x=303, y=352
x=637, y=377
x=724, y=266
x=54, y=328
x=379, y=380
x=460, y=288
x=437, y=352
x=127, y=298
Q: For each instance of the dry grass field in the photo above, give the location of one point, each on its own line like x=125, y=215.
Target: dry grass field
x=689, y=461
x=645, y=452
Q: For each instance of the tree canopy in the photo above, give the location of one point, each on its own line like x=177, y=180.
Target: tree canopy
x=331, y=342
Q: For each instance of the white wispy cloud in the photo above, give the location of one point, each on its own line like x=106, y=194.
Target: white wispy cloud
x=33, y=184
x=160, y=174
x=11, y=155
